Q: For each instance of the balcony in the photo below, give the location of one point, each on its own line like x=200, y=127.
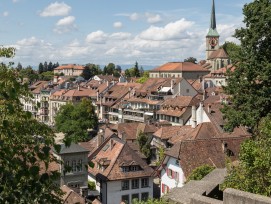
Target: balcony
x=133, y=118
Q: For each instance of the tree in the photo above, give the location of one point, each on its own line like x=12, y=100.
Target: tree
x=40, y=68
x=249, y=85
x=199, y=172
x=191, y=59
x=50, y=67
x=55, y=65
x=75, y=121
x=29, y=73
x=136, y=70
x=232, y=50
x=45, y=67
x=19, y=66
x=144, y=145
x=253, y=173
x=22, y=156
x=144, y=78
x=86, y=74
x=47, y=76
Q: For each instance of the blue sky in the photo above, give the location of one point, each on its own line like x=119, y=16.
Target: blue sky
x=151, y=32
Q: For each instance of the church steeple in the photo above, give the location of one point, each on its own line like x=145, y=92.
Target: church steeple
x=212, y=30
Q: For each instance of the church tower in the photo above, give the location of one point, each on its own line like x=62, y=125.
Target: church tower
x=212, y=37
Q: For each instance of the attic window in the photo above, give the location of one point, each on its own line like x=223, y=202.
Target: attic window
x=130, y=168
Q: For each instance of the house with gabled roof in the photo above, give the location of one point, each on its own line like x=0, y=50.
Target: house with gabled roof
x=177, y=110
x=185, y=156
x=120, y=174
x=187, y=70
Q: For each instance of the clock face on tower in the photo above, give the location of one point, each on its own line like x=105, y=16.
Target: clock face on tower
x=213, y=42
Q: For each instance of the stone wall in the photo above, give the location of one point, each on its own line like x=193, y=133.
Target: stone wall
x=236, y=196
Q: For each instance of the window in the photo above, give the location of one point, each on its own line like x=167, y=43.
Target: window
x=144, y=182
x=165, y=188
x=125, y=185
x=135, y=183
x=125, y=169
x=173, y=174
x=134, y=168
x=125, y=199
x=135, y=197
x=144, y=196
x=79, y=165
x=187, y=90
x=177, y=162
x=169, y=173
x=74, y=166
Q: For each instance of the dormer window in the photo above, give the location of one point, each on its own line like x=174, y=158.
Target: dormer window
x=134, y=168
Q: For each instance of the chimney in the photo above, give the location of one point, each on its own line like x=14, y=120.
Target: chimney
x=99, y=139
x=194, y=117
x=209, y=108
x=172, y=83
x=97, y=95
x=107, y=82
x=78, y=87
x=123, y=136
x=111, y=144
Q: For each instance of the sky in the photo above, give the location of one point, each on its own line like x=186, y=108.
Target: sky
x=150, y=32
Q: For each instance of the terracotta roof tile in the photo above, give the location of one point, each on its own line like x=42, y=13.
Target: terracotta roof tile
x=180, y=67
x=70, y=196
x=194, y=153
x=220, y=53
x=117, y=153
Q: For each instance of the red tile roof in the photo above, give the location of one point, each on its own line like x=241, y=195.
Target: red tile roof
x=194, y=153
x=180, y=67
x=115, y=154
x=220, y=53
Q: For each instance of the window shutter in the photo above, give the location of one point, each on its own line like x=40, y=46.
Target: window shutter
x=167, y=171
x=173, y=174
x=167, y=189
x=163, y=188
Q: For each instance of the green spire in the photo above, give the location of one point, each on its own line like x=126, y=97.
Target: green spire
x=212, y=30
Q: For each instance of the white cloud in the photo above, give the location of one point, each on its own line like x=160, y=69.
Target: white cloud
x=5, y=13
x=226, y=32
x=98, y=37
x=174, y=30
x=33, y=41
x=117, y=24
x=134, y=16
x=65, y=24
x=56, y=9
x=69, y=20
x=153, y=18
x=121, y=36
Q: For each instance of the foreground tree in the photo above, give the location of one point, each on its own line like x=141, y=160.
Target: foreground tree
x=250, y=84
x=75, y=121
x=232, y=50
x=24, y=160
x=253, y=173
